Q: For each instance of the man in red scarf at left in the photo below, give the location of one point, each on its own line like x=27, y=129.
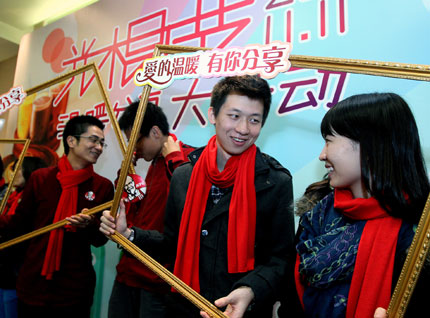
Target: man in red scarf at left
x=57, y=278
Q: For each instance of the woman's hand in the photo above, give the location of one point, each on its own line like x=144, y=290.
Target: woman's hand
x=380, y=313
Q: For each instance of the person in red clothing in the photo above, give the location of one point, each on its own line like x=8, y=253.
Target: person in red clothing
x=137, y=292
x=3, y=184
x=57, y=278
x=11, y=258
x=29, y=164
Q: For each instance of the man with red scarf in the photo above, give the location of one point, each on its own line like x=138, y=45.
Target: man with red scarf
x=229, y=222
x=137, y=291
x=57, y=278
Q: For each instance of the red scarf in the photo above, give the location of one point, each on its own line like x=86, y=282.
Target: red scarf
x=238, y=171
x=69, y=180
x=173, y=136
x=373, y=271
x=12, y=202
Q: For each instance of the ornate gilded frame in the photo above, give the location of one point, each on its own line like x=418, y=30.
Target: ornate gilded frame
x=418, y=252
x=89, y=67
x=418, y=249
x=26, y=143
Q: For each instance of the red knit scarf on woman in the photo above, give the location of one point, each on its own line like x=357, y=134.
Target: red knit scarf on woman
x=373, y=271
x=238, y=171
x=69, y=180
x=12, y=202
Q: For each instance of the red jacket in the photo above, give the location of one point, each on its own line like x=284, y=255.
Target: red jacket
x=148, y=214
x=74, y=283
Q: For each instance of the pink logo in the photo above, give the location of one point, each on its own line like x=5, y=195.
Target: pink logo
x=56, y=49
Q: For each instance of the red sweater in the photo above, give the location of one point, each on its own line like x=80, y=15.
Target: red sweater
x=75, y=281
x=148, y=214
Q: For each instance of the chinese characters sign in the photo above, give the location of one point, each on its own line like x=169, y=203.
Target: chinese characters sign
x=15, y=96
x=267, y=60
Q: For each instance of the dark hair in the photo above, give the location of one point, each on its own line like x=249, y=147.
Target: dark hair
x=31, y=164
x=392, y=164
x=252, y=87
x=314, y=193
x=154, y=116
x=77, y=126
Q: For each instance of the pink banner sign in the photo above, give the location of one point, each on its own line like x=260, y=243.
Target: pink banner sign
x=267, y=60
x=15, y=96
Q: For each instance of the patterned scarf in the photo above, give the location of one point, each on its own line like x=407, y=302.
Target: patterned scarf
x=69, y=180
x=239, y=171
x=332, y=250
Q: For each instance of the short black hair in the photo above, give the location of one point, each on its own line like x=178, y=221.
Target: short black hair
x=154, y=116
x=79, y=125
x=392, y=164
x=251, y=86
x=31, y=164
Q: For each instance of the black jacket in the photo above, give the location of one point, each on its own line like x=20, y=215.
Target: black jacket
x=274, y=237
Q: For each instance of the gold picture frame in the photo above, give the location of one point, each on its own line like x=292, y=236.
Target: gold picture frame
x=418, y=249
x=89, y=67
x=186, y=291
x=26, y=143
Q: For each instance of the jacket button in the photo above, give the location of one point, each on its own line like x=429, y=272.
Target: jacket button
x=268, y=181
x=205, y=233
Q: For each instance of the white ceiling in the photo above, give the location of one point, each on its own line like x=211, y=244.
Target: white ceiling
x=18, y=17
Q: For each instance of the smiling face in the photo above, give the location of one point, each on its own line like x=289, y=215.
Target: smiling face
x=237, y=126
x=84, y=152
x=19, y=180
x=342, y=160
